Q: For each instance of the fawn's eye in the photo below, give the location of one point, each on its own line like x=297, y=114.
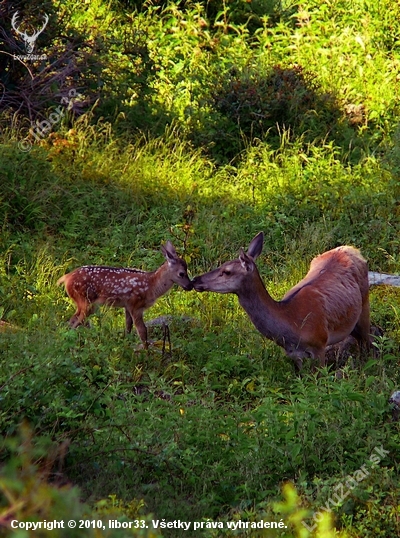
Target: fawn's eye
x=226, y=272
x=182, y=275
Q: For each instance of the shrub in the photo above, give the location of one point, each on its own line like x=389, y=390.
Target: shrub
x=257, y=105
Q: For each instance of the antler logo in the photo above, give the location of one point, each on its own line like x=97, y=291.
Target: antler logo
x=30, y=40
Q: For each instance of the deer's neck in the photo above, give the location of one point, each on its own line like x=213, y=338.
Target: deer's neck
x=266, y=314
x=161, y=281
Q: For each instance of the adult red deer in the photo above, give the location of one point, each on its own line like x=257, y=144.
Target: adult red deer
x=329, y=304
x=132, y=289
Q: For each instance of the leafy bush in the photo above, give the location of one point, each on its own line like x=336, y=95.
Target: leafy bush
x=285, y=99
x=31, y=494
x=78, y=72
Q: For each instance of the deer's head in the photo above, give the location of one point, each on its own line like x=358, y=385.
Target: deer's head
x=29, y=40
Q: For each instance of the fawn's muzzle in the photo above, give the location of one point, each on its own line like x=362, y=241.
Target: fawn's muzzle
x=197, y=285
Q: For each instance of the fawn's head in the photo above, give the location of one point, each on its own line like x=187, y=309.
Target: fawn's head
x=177, y=267
x=230, y=276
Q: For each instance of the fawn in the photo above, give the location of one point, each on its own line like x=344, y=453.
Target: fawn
x=132, y=289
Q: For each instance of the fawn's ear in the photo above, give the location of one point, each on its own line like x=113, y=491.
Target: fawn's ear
x=169, y=252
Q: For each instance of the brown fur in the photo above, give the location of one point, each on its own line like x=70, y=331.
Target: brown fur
x=134, y=290
x=328, y=305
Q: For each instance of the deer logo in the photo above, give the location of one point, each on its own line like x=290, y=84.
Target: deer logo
x=29, y=40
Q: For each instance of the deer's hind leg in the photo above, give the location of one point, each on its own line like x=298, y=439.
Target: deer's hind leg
x=362, y=330
x=83, y=310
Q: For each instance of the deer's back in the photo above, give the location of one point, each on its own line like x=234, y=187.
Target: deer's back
x=114, y=285
x=333, y=290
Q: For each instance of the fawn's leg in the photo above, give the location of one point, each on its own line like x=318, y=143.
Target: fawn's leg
x=128, y=321
x=83, y=311
x=140, y=327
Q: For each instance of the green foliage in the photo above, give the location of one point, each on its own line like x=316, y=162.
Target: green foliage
x=256, y=106
x=29, y=500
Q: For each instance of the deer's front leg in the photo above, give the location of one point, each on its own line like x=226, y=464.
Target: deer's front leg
x=141, y=328
x=128, y=321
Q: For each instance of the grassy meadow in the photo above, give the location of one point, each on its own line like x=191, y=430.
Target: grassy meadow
x=201, y=123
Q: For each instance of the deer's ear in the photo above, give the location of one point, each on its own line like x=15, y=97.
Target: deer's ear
x=256, y=246
x=245, y=261
x=169, y=252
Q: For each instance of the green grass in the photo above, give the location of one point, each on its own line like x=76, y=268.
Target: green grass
x=215, y=429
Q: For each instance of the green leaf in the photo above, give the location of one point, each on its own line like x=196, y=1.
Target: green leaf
x=369, y=381
x=370, y=364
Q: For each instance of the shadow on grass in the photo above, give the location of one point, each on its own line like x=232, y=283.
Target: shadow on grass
x=249, y=107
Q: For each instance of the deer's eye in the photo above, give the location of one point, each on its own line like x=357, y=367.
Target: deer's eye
x=182, y=275
x=226, y=272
